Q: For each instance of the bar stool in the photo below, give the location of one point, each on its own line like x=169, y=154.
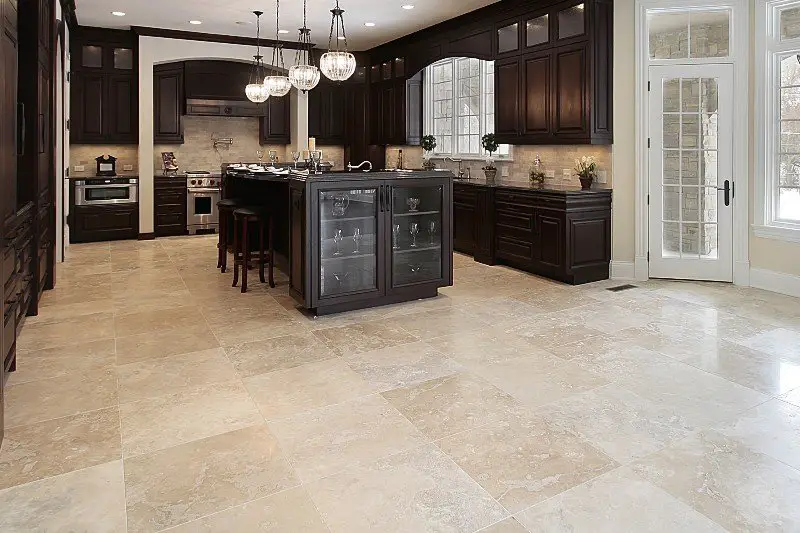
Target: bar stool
x=242, y=218
x=225, y=208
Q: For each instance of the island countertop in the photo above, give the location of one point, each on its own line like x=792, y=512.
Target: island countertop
x=338, y=176
x=554, y=188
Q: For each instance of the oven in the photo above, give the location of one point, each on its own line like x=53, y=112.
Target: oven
x=202, y=214
x=106, y=191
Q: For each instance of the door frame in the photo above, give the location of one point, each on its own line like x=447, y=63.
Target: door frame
x=740, y=58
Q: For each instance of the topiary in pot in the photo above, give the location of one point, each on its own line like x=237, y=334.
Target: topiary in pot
x=490, y=144
x=428, y=144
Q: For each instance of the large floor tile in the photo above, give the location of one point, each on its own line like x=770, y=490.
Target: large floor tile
x=615, y=502
x=452, y=404
x=509, y=525
x=157, y=423
x=620, y=423
x=365, y=336
x=172, y=375
x=738, y=488
x=525, y=459
x=58, y=446
x=91, y=500
x=70, y=394
x=539, y=380
x=418, y=490
x=484, y=346
x=432, y=324
x=256, y=328
x=290, y=511
x=56, y=362
x=75, y=330
x=401, y=366
x=288, y=392
x=59, y=312
x=187, y=482
x=279, y=353
x=327, y=440
x=772, y=428
x=783, y=343
x=160, y=344
x=151, y=321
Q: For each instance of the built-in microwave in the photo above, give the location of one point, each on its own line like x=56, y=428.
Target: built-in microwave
x=106, y=191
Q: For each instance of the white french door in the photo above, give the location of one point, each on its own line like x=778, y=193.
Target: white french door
x=690, y=172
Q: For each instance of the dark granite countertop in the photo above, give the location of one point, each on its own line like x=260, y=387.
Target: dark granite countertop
x=557, y=188
x=181, y=175
x=340, y=176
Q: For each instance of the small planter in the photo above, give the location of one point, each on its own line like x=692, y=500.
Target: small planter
x=491, y=174
x=586, y=183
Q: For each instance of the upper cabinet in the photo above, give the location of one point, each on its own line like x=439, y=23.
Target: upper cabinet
x=275, y=127
x=395, y=104
x=168, y=103
x=105, y=87
x=326, y=113
x=553, y=78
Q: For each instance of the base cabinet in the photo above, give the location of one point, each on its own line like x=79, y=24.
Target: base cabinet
x=170, y=207
x=366, y=242
x=107, y=223
x=561, y=235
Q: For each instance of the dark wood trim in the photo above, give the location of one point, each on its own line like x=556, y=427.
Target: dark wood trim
x=147, y=236
x=147, y=31
x=68, y=12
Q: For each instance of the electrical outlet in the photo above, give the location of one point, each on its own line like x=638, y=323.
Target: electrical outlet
x=504, y=172
x=602, y=176
x=550, y=174
x=80, y=168
x=127, y=168
x=566, y=173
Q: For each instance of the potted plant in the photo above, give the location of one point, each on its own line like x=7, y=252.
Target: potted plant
x=428, y=144
x=489, y=143
x=586, y=168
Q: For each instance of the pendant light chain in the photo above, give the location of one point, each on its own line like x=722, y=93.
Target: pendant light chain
x=255, y=90
x=276, y=83
x=303, y=74
x=336, y=64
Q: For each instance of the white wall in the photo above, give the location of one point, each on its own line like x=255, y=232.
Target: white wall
x=62, y=141
x=156, y=50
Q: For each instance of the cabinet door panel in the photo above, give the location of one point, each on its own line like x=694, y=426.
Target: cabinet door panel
x=9, y=134
x=571, y=102
x=91, y=96
x=275, y=127
x=507, y=93
x=551, y=240
x=168, y=105
x=464, y=227
x=388, y=111
x=122, y=109
x=537, y=94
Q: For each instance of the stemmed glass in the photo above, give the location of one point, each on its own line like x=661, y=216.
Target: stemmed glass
x=414, y=230
x=296, y=158
x=396, y=237
x=432, y=232
x=316, y=156
x=357, y=237
x=260, y=156
x=338, y=237
x=273, y=157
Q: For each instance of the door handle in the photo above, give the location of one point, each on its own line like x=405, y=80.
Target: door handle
x=727, y=189
x=380, y=198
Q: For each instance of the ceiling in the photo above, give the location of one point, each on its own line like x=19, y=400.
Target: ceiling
x=235, y=17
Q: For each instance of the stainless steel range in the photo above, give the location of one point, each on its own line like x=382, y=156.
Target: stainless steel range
x=204, y=191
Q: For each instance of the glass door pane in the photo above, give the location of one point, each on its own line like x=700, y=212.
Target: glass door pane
x=689, y=172
x=348, y=250
x=416, y=234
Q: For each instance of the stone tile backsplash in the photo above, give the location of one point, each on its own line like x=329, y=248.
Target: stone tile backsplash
x=198, y=152
x=85, y=155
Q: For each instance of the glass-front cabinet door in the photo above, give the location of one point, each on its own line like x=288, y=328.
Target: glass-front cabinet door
x=348, y=243
x=417, y=217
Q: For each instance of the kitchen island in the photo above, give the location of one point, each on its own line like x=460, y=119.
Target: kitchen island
x=356, y=240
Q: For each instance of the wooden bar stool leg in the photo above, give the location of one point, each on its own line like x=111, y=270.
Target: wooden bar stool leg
x=271, y=255
x=261, y=250
x=245, y=252
x=222, y=259
x=235, y=252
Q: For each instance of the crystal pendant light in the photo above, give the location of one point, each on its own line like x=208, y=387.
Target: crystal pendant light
x=303, y=74
x=277, y=85
x=255, y=90
x=337, y=65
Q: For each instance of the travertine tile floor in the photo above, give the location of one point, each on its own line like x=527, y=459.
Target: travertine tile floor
x=150, y=395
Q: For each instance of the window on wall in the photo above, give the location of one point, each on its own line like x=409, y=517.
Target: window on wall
x=778, y=204
x=459, y=104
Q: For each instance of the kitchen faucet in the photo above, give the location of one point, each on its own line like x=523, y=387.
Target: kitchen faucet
x=460, y=168
x=351, y=167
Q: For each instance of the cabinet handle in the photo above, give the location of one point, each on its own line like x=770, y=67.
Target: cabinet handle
x=380, y=198
x=21, y=129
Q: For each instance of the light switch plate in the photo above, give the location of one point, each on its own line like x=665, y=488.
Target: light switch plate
x=602, y=176
x=80, y=168
x=566, y=173
x=504, y=172
x=127, y=168
x=550, y=174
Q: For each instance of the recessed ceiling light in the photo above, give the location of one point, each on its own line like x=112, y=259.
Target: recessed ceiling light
x=196, y=22
x=283, y=31
x=243, y=22
x=369, y=24
x=342, y=37
x=408, y=6
x=118, y=13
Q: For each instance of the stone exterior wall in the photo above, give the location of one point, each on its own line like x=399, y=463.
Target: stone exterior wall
x=790, y=23
x=707, y=40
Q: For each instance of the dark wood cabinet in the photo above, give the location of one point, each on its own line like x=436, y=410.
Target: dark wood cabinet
x=275, y=127
x=507, y=100
x=169, y=212
x=536, y=101
x=326, y=113
x=168, y=103
x=395, y=105
x=571, y=103
x=563, y=235
x=106, y=223
x=105, y=91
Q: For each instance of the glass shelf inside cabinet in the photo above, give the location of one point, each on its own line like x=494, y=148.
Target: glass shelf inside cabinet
x=416, y=234
x=347, y=241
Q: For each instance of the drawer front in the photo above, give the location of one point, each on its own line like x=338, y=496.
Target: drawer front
x=170, y=219
x=464, y=194
x=514, y=219
x=514, y=250
x=514, y=197
x=170, y=197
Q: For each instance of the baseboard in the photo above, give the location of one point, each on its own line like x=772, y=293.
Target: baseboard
x=147, y=236
x=779, y=282
x=623, y=270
